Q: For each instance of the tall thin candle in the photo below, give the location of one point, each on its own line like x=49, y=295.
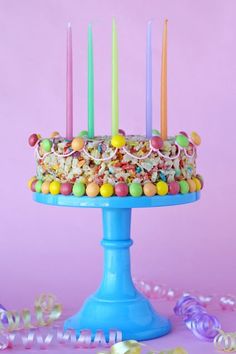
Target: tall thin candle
x=164, y=84
x=69, y=86
x=115, y=96
x=149, y=81
x=90, y=84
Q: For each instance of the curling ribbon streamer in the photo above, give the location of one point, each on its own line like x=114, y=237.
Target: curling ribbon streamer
x=46, y=312
x=200, y=323
x=55, y=335
x=153, y=290
x=225, y=342
x=134, y=347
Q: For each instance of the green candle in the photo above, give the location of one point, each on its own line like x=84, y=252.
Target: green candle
x=90, y=85
x=115, y=98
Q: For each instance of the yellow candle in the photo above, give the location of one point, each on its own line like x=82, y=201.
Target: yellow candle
x=164, y=84
x=115, y=97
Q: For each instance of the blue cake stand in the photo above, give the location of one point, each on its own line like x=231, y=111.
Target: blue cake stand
x=117, y=304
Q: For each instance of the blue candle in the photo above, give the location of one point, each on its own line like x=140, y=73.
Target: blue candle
x=149, y=81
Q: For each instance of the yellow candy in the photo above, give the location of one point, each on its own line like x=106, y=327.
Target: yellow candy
x=107, y=190
x=179, y=350
x=55, y=187
x=92, y=189
x=162, y=188
x=77, y=144
x=45, y=187
x=39, y=136
x=149, y=189
x=196, y=139
x=54, y=134
x=118, y=141
x=192, y=185
x=31, y=181
x=198, y=183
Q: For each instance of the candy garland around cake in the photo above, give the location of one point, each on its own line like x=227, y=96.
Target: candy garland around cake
x=119, y=143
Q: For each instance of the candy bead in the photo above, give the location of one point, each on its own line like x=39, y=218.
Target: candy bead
x=66, y=188
x=135, y=189
x=121, y=189
x=201, y=180
x=33, y=138
x=79, y=189
x=55, y=187
x=92, y=189
x=118, y=141
x=30, y=181
x=162, y=188
x=45, y=187
x=106, y=190
x=192, y=185
x=155, y=132
x=183, y=133
x=182, y=141
x=38, y=186
x=46, y=145
x=179, y=350
x=83, y=133
x=54, y=134
x=33, y=185
x=77, y=144
x=173, y=188
x=149, y=189
x=198, y=183
x=196, y=139
x=121, y=132
x=184, y=187
x=157, y=142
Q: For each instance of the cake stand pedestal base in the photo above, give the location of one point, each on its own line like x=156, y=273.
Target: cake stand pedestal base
x=117, y=304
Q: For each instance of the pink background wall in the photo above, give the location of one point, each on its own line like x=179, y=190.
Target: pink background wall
x=56, y=249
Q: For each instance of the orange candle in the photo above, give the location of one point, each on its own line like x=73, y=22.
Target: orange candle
x=164, y=84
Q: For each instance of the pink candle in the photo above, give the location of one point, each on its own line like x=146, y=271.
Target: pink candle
x=69, y=86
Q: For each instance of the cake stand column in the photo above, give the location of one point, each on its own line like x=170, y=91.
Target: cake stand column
x=117, y=304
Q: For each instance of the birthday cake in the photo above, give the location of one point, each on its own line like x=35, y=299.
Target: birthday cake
x=119, y=165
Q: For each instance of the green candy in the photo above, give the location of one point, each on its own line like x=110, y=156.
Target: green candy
x=156, y=132
x=78, y=189
x=46, y=145
x=83, y=133
x=135, y=189
x=184, y=187
x=182, y=141
x=38, y=186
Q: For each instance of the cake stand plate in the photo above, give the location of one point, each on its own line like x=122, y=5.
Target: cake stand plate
x=117, y=304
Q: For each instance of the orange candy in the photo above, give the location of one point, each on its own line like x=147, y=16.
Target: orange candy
x=77, y=144
x=149, y=189
x=196, y=139
x=92, y=189
x=192, y=185
x=45, y=187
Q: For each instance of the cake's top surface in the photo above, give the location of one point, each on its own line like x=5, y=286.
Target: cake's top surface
x=132, y=163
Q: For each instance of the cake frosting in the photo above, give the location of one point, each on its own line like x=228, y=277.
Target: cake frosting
x=103, y=161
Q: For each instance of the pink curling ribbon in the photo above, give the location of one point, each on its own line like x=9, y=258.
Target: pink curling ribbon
x=154, y=290
x=44, y=338
x=202, y=325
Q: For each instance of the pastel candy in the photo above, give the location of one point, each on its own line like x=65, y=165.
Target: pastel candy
x=30, y=181
x=149, y=189
x=77, y=144
x=118, y=141
x=79, y=189
x=184, y=187
x=162, y=188
x=45, y=187
x=135, y=189
x=196, y=139
x=192, y=185
x=92, y=189
x=55, y=187
x=66, y=188
x=33, y=185
x=198, y=184
x=173, y=188
x=157, y=142
x=106, y=190
x=46, y=145
x=33, y=138
x=121, y=189
x=182, y=141
x=38, y=186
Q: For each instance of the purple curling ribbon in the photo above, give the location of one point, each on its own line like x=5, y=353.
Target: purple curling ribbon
x=3, y=317
x=196, y=318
